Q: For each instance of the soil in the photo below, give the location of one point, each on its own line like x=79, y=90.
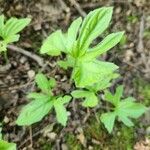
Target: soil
x=132, y=55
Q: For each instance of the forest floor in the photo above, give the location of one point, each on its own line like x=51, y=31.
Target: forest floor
x=85, y=132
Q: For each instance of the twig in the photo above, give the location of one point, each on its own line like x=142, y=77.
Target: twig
x=5, y=68
x=31, y=141
x=63, y=5
x=35, y=57
x=78, y=8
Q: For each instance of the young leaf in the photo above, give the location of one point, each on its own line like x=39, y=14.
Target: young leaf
x=61, y=113
x=38, y=96
x=72, y=33
x=34, y=111
x=7, y=146
x=91, y=99
x=109, y=42
x=124, y=109
x=88, y=73
x=104, y=83
x=114, y=99
x=93, y=25
x=54, y=44
x=1, y=24
x=130, y=108
x=14, y=25
x=108, y=119
x=42, y=82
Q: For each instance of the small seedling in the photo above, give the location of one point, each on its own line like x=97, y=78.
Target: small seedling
x=123, y=109
x=43, y=102
x=9, y=31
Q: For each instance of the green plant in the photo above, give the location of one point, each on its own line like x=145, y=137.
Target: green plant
x=90, y=74
x=123, y=109
x=9, y=31
x=87, y=69
x=43, y=102
x=4, y=145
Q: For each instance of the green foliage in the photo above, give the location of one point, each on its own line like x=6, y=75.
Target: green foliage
x=123, y=109
x=90, y=94
x=4, y=145
x=43, y=102
x=87, y=70
x=90, y=75
x=7, y=146
x=9, y=30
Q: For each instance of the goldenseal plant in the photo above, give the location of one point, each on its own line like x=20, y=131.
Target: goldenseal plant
x=90, y=75
x=80, y=55
x=9, y=30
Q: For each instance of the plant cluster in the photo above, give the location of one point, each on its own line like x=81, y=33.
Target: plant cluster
x=90, y=75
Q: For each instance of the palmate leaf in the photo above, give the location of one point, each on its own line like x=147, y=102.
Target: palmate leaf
x=34, y=111
x=91, y=99
x=124, y=109
x=88, y=73
x=4, y=145
x=93, y=25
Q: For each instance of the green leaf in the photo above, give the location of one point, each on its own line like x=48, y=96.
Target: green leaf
x=14, y=25
x=91, y=99
x=93, y=25
x=61, y=113
x=72, y=33
x=38, y=96
x=109, y=42
x=1, y=24
x=52, y=82
x=54, y=44
x=34, y=111
x=7, y=146
x=12, y=38
x=3, y=46
x=108, y=119
x=42, y=82
x=69, y=62
x=125, y=119
x=88, y=73
x=130, y=108
x=104, y=83
x=114, y=99
x=126, y=108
